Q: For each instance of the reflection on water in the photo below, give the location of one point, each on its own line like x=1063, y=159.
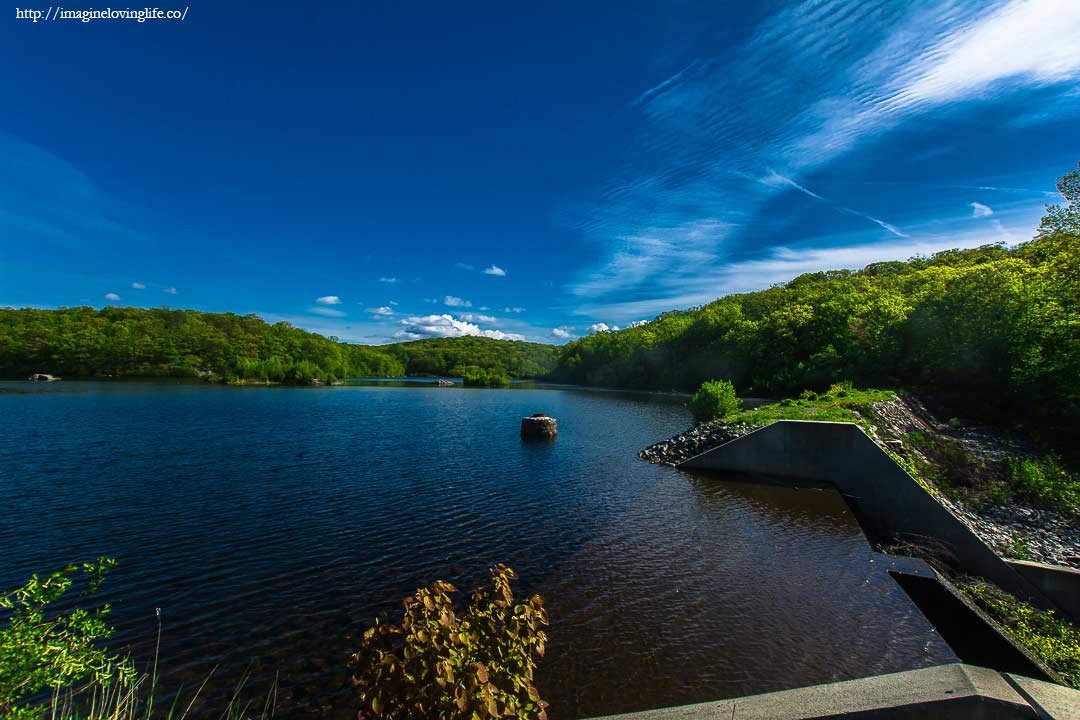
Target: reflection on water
x=273, y=524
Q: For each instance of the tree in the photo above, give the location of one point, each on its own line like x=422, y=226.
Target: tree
x=1064, y=220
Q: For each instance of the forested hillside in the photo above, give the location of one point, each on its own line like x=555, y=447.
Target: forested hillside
x=117, y=342
x=133, y=342
x=449, y=356
x=994, y=330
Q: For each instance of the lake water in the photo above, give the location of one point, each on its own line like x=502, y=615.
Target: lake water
x=271, y=525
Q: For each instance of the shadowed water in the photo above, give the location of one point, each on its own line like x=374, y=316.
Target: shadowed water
x=271, y=525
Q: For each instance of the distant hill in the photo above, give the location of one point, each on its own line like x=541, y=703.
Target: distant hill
x=992, y=331
x=447, y=356
x=83, y=342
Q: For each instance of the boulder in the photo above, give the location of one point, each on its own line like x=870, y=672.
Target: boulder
x=539, y=427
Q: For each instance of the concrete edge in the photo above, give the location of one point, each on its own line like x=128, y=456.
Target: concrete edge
x=1059, y=583
x=943, y=691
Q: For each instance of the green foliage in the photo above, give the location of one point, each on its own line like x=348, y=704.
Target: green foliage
x=1050, y=638
x=849, y=407
x=446, y=663
x=714, y=400
x=480, y=377
x=133, y=342
x=445, y=357
x=1045, y=482
x=44, y=648
x=993, y=330
x=1065, y=220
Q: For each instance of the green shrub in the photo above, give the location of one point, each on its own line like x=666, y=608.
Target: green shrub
x=43, y=648
x=444, y=662
x=841, y=389
x=715, y=399
x=475, y=376
x=1046, y=482
x=1050, y=638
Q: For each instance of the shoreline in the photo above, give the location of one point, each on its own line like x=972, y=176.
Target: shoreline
x=1015, y=530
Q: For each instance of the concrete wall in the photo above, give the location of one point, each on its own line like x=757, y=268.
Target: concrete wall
x=953, y=692
x=889, y=503
x=1060, y=584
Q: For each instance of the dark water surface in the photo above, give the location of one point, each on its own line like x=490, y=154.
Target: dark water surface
x=272, y=524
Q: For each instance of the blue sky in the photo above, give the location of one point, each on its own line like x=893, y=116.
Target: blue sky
x=382, y=170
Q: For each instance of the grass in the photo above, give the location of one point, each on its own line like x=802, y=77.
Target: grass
x=135, y=701
x=842, y=403
x=1050, y=638
x=942, y=463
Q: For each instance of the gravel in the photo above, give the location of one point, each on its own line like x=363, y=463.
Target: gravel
x=1017, y=529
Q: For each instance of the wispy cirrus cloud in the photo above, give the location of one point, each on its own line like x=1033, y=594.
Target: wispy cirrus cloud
x=390, y=280
x=724, y=137
x=138, y=286
x=327, y=312
x=328, y=300
x=978, y=210
x=478, y=318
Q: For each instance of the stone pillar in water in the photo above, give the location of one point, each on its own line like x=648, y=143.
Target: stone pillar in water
x=539, y=427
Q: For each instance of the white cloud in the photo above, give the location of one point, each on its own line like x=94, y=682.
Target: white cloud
x=601, y=327
x=169, y=291
x=328, y=300
x=416, y=327
x=561, y=333
x=112, y=297
x=451, y=301
x=639, y=323
x=138, y=286
x=514, y=309
x=495, y=270
x=464, y=266
x=393, y=302
x=327, y=312
x=483, y=308
x=388, y=279
x=1034, y=40
x=782, y=264
x=380, y=311
x=808, y=84
x=978, y=210
x=470, y=317
x=431, y=300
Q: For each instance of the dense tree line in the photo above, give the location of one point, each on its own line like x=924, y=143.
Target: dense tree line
x=994, y=330
x=445, y=356
x=132, y=342
x=83, y=342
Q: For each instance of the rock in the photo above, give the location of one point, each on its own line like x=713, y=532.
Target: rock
x=444, y=383
x=539, y=427
x=42, y=377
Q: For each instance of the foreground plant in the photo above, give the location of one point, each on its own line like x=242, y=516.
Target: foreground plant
x=1050, y=638
x=444, y=664
x=44, y=648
